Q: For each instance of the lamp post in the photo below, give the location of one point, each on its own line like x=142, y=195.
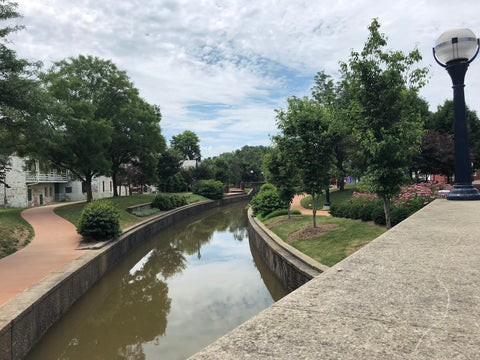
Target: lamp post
x=454, y=50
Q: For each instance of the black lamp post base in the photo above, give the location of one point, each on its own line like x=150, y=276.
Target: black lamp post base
x=463, y=192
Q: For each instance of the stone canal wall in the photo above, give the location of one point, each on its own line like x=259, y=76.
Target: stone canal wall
x=25, y=318
x=292, y=267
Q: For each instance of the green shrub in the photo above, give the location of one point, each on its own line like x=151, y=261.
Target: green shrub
x=366, y=211
x=378, y=215
x=354, y=211
x=267, y=201
x=398, y=214
x=338, y=210
x=163, y=202
x=99, y=220
x=166, y=202
x=280, y=213
x=211, y=189
x=179, y=200
x=175, y=183
x=266, y=187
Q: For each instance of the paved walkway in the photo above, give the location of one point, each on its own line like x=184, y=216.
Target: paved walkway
x=297, y=206
x=52, y=247
x=410, y=294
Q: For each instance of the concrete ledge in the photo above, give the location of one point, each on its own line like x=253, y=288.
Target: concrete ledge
x=412, y=293
x=292, y=267
x=25, y=318
x=138, y=208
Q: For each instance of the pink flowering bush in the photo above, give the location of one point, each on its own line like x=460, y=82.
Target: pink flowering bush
x=367, y=206
x=416, y=196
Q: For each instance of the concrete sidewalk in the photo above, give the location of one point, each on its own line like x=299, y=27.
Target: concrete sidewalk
x=52, y=247
x=412, y=293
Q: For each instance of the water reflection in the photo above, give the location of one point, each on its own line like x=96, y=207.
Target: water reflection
x=170, y=298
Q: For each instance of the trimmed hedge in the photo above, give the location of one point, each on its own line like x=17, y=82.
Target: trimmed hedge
x=211, y=189
x=371, y=211
x=166, y=202
x=99, y=220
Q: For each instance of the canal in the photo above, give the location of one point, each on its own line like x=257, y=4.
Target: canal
x=192, y=283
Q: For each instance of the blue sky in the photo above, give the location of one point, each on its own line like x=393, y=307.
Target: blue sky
x=221, y=67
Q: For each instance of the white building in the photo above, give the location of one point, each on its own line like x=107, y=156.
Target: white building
x=30, y=186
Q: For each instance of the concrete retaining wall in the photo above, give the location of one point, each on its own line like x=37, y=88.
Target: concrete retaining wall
x=25, y=318
x=292, y=267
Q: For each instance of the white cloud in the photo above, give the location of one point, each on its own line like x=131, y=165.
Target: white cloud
x=220, y=68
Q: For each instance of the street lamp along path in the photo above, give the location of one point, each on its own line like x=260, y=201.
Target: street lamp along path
x=454, y=50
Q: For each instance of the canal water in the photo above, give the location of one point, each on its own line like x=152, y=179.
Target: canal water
x=177, y=293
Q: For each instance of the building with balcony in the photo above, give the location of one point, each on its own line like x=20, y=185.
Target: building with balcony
x=31, y=185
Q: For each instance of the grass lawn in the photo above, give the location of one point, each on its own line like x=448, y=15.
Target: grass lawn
x=15, y=232
x=336, y=196
x=341, y=237
x=72, y=212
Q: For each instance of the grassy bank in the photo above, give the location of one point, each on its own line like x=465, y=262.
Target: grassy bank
x=332, y=241
x=72, y=212
x=15, y=232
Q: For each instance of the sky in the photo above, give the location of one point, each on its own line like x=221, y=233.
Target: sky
x=220, y=68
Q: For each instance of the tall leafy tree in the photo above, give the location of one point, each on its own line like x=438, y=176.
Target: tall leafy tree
x=282, y=171
x=305, y=137
x=168, y=165
x=334, y=97
x=136, y=136
x=187, y=144
x=19, y=91
x=441, y=121
x=383, y=85
x=78, y=134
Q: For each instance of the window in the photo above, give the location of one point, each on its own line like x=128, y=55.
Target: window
x=46, y=191
x=111, y=186
x=103, y=185
x=51, y=192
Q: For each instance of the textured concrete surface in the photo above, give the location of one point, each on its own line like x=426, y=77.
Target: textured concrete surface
x=410, y=294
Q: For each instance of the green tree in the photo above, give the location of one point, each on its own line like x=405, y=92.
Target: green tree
x=187, y=144
x=334, y=97
x=383, y=85
x=19, y=90
x=77, y=136
x=169, y=163
x=221, y=169
x=282, y=171
x=441, y=121
x=305, y=137
x=136, y=135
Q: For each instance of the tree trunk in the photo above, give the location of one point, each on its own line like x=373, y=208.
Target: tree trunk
x=386, y=207
x=114, y=182
x=88, y=186
x=341, y=181
x=314, y=209
x=289, y=207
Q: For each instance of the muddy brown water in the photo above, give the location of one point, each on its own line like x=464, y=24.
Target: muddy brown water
x=180, y=291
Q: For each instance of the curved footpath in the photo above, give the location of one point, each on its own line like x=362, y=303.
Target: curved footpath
x=53, y=246
x=297, y=206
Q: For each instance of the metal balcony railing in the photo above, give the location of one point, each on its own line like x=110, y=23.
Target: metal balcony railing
x=51, y=177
